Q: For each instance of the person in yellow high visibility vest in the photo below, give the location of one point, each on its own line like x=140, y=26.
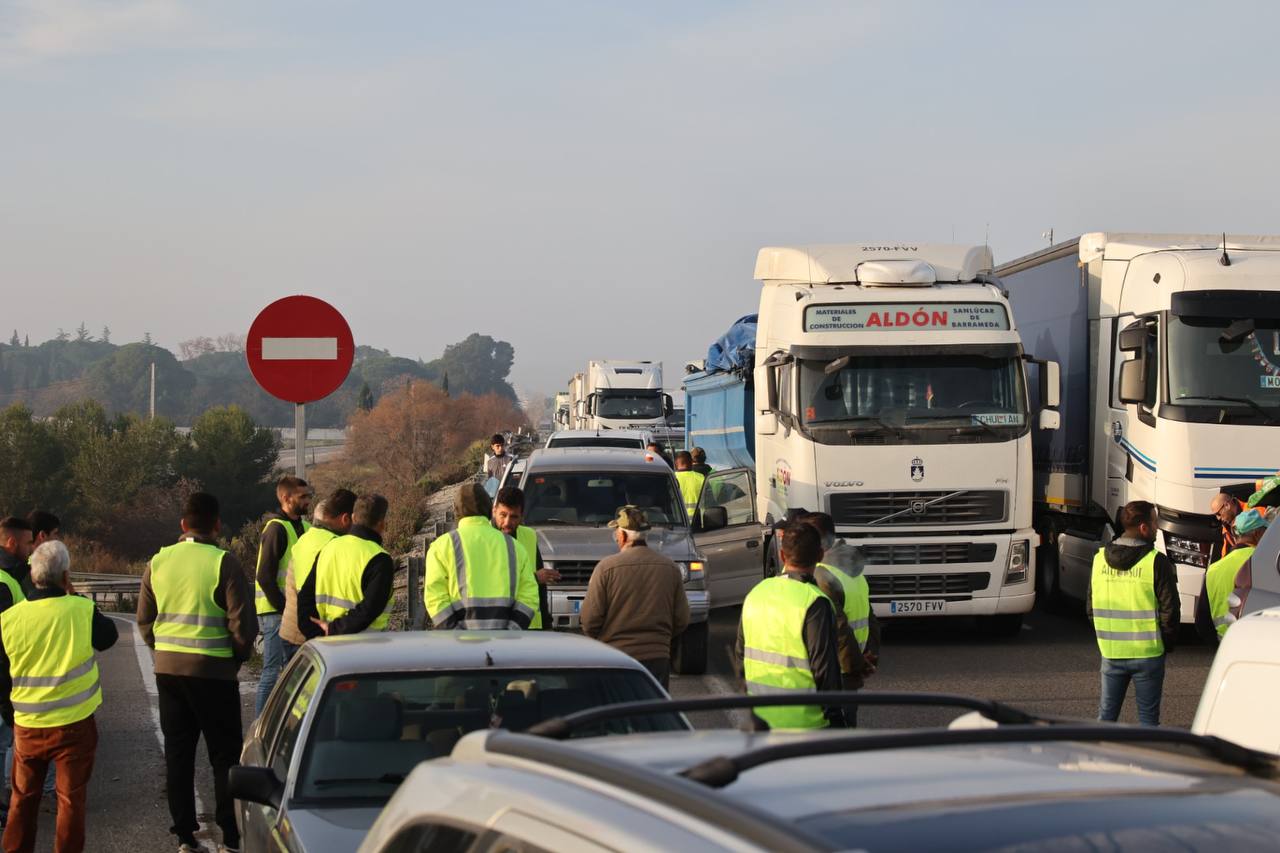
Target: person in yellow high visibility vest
x=690, y=481
x=1212, y=616
x=508, y=515
x=477, y=577
x=280, y=531
x=787, y=638
x=195, y=608
x=839, y=575
x=49, y=690
x=330, y=519
x=1133, y=602
x=354, y=577
x=17, y=541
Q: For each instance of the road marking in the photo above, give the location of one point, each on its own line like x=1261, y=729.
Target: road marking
x=299, y=349
x=146, y=667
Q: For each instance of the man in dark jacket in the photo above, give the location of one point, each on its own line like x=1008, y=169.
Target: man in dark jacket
x=16, y=544
x=356, y=566
x=1133, y=602
x=279, y=532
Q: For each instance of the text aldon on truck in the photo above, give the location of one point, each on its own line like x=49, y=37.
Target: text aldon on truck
x=889, y=388
x=1170, y=346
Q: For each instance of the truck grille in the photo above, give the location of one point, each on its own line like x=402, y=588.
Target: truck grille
x=897, y=586
x=574, y=574
x=929, y=553
x=966, y=507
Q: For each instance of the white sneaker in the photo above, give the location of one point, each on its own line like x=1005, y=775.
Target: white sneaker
x=184, y=847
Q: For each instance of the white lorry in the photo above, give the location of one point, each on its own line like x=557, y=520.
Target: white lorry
x=1170, y=344
x=890, y=391
x=560, y=417
x=620, y=395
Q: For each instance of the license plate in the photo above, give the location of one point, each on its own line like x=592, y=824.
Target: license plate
x=918, y=606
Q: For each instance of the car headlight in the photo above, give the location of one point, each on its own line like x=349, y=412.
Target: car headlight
x=1016, y=571
x=692, y=572
x=1189, y=552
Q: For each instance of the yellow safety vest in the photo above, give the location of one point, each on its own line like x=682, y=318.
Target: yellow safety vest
x=15, y=588
x=339, y=572
x=527, y=538
x=1220, y=582
x=474, y=579
x=691, y=483
x=857, y=603
x=775, y=660
x=50, y=647
x=305, y=552
x=260, y=602
x=184, y=578
x=1125, y=611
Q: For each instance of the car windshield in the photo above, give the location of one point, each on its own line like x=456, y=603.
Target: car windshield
x=593, y=498
x=629, y=404
x=1205, y=370
x=912, y=391
x=598, y=441
x=1216, y=820
x=372, y=729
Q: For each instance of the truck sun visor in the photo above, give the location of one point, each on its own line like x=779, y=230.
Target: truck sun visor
x=1228, y=304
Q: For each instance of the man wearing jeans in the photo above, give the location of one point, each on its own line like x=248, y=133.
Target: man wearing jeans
x=1133, y=601
x=279, y=534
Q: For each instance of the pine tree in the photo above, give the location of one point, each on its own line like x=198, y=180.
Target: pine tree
x=444, y=383
x=15, y=340
x=106, y=334
x=26, y=340
x=82, y=333
x=61, y=336
x=365, y=398
x=146, y=339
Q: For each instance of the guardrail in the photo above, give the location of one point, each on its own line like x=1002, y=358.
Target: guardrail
x=105, y=588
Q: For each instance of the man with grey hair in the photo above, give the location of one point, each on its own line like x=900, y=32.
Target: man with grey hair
x=635, y=600
x=49, y=690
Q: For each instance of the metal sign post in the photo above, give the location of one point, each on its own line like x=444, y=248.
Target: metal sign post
x=300, y=440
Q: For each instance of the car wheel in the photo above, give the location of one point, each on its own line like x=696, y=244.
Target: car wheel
x=690, y=654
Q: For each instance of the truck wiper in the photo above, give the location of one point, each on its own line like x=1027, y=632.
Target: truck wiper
x=873, y=419
x=1245, y=401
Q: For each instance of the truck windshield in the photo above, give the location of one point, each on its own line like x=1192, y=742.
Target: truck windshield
x=910, y=391
x=1211, y=367
x=629, y=404
x=593, y=498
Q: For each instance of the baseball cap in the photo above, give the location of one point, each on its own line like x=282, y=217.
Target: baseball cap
x=630, y=518
x=1249, y=521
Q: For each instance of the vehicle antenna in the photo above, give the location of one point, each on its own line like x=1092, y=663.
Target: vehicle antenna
x=1225, y=260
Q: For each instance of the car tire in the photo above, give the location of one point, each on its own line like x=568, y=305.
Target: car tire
x=1002, y=625
x=689, y=657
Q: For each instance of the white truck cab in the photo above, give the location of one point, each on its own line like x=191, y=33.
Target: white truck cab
x=620, y=395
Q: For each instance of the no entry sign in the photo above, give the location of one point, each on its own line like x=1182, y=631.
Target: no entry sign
x=300, y=349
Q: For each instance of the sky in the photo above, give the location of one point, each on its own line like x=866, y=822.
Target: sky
x=588, y=180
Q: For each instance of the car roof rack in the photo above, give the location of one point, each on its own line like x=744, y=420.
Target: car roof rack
x=743, y=820
x=723, y=770
x=560, y=728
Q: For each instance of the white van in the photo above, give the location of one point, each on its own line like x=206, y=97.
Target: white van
x=1243, y=688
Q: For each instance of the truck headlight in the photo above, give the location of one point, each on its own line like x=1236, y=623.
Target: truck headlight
x=1016, y=571
x=1189, y=552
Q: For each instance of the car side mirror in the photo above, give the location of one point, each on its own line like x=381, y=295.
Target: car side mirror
x=1133, y=382
x=1050, y=419
x=713, y=518
x=258, y=785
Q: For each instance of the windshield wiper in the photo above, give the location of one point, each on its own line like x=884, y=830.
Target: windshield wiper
x=878, y=421
x=1245, y=401
x=385, y=778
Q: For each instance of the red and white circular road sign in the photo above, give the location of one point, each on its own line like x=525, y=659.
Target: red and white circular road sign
x=300, y=349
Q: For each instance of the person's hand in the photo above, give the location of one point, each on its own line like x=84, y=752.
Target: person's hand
x=546, y=576
x=324, y=626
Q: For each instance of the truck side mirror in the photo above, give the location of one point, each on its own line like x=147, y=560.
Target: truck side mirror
x=1050, y=419
x=667, y=405
x=1133, y=383
x=1051, y=385
x=1133, y=337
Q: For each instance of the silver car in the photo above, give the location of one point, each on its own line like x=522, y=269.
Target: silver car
x=351, y=716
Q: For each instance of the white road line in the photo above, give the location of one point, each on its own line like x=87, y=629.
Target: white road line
x=146, y=667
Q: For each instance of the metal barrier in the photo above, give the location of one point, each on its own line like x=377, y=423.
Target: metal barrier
x=105, y=588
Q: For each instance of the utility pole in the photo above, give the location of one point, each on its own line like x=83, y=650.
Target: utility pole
x=153, y=390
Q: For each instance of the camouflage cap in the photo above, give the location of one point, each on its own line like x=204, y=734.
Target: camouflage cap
x=630, y=517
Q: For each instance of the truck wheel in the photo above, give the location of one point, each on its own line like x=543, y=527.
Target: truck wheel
x=690, y=654
x=1049, y=595
x=1003, y=625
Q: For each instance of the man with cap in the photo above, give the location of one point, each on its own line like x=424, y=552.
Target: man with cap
x=1212, y=617
x=635, y=600
x=478, y=577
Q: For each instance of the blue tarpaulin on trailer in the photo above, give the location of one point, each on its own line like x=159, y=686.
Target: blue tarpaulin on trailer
x=734, y=351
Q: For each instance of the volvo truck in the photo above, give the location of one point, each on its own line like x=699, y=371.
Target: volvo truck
x=1170, y=345
x=887, y=386
x=620, y=395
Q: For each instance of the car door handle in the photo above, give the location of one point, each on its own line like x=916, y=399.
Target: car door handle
x=753, y=543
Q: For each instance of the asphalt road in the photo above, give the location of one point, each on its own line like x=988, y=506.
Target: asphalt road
x=1051, y=666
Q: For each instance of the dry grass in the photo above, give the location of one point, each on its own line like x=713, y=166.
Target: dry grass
x=88, y=555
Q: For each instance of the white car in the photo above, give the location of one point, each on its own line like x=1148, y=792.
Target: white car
x=351, y=716
x=623, y=439
x=1025, y=785
x=1242, y=691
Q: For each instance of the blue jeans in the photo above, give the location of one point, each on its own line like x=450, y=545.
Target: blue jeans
x=272, y=658
x=1147, y=675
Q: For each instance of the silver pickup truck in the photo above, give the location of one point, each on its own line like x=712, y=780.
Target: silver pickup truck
x=572, y=494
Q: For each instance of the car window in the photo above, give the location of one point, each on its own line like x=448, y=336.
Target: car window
x=593, y=498
x=731, y=490
x=431, y=838
x=372, y=729
x=282, y=751
x=276, y=710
